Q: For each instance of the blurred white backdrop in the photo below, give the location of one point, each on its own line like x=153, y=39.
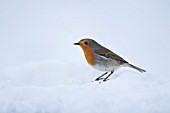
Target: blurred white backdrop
x=46, y=30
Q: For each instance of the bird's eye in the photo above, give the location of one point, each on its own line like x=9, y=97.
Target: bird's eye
x=86, y=43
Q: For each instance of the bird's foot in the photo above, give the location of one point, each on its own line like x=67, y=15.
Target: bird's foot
x=97, y=79
x=101, y=80
x=105, y=80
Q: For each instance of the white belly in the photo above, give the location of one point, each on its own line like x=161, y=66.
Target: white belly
x=107, y=64
x=104, y=68
x=108, y=68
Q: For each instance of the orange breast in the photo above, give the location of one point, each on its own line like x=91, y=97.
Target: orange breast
x=88, y=54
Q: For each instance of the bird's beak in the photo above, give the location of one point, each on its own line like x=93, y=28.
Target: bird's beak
x=76, y=44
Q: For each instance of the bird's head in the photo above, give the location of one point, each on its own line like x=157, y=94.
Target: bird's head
x=84, y=43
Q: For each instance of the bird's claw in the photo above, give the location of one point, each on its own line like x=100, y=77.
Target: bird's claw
x=103, y=80
x=97, y=79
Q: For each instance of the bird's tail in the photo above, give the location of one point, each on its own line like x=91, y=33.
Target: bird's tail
x=137, y=68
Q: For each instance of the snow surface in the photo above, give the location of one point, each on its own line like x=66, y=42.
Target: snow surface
x=42, y=72
x=41, y=87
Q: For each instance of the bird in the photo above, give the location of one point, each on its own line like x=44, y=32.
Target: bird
x=103, y=59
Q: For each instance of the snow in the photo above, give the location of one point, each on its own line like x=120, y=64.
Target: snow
x=41, y=71
x=40, y=87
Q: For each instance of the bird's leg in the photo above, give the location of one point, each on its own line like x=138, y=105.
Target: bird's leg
x=99, y=78
x=105, y=79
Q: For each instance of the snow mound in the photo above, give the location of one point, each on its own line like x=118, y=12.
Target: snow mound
x=55, y=87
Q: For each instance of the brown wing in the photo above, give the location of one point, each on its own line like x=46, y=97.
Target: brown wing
x=109, y=54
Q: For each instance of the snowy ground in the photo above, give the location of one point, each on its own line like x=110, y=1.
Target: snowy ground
x=40, y=87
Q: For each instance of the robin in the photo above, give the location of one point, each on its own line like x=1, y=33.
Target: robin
x=103, y=59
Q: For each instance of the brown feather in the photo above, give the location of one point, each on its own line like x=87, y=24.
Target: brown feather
x=109, y=54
